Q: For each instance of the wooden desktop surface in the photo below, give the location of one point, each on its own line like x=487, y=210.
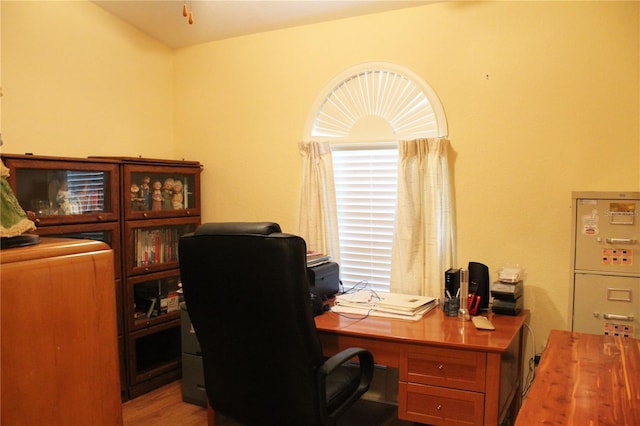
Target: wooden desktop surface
x=585, y=379
x=435, y=328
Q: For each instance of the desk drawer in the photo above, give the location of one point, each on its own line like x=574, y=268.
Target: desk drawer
x=445, y=367
x=439, y=406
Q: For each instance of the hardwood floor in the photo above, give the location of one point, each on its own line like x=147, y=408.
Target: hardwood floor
x=164, y=407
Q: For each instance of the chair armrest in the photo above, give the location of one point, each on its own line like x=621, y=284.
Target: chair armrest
x=365, y=357
x=332, y=364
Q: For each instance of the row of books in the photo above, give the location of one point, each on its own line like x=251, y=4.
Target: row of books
x=394, y=305
x=154, y=246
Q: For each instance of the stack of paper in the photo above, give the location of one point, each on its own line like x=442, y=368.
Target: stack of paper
x=316, y=258
x=395, y=305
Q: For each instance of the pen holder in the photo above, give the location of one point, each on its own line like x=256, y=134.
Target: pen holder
x=463, y=312
x=450, y=306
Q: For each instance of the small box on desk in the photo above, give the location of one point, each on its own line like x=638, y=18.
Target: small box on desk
x=507, y=291
x=507, y=297
x=324, y=279
x=507, y=307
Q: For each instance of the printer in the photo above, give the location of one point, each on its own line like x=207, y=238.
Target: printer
x=324, y=279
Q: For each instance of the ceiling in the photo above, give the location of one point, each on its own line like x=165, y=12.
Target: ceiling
x=217, y=19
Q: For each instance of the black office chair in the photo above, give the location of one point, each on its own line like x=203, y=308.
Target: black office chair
x=246, y=291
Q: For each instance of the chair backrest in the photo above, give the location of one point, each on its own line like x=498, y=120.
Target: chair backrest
x=247, y=294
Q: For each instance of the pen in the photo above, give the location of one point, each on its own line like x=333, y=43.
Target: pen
x=458, y=292
x=448, y=294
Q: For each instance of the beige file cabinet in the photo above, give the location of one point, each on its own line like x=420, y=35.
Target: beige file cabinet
x=605, y=263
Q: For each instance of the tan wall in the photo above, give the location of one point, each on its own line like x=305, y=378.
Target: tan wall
x=542, y=98
x=78, y=81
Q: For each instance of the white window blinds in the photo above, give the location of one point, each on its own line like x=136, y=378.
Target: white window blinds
x=365, y=181
x=87, y=189
x=362, y=106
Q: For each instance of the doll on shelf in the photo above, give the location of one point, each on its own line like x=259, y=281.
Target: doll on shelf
x=145, y=192
x=167, y=194
x=177, y=197
x=156, y=196
x=13, y=219
x=136, y=200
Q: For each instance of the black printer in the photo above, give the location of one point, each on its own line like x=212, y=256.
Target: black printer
x=324, y=279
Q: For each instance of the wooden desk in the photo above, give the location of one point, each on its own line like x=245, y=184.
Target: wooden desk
x=585, y=379
x=449, y=372
x=59, y=354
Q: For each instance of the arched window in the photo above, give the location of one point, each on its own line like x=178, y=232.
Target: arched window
x=363, y=113
x=376, y=102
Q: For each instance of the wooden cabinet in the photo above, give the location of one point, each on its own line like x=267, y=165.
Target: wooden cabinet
x=112, y=199
x=59, y=350
x=160, y=203
x=74, y=198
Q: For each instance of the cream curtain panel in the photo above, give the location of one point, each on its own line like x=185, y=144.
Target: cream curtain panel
x=318, y=217
x=423, y=243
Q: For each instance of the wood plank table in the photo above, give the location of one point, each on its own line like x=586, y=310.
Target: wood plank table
x=585, y=379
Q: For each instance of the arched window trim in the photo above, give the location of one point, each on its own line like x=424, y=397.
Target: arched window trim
x=329, y=93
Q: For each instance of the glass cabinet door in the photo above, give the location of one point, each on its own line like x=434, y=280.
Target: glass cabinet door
x=154, y=353
x=153, y=244
x=108, y=233
x=55, y=192
x=153, y=298
x=161, y=191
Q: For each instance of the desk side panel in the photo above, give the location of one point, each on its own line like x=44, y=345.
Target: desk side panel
x=59, y=357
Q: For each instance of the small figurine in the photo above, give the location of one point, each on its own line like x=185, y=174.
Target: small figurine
x=156, y=196
x=178, y=197
x=167, y=194
x=144, y=192
x=136, y=200
x=13, y=220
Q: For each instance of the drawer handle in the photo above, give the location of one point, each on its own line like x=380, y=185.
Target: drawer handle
x=439, y=407
x=618, y=317
x=441, y=367
x=620, y=241
x=619, y=294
